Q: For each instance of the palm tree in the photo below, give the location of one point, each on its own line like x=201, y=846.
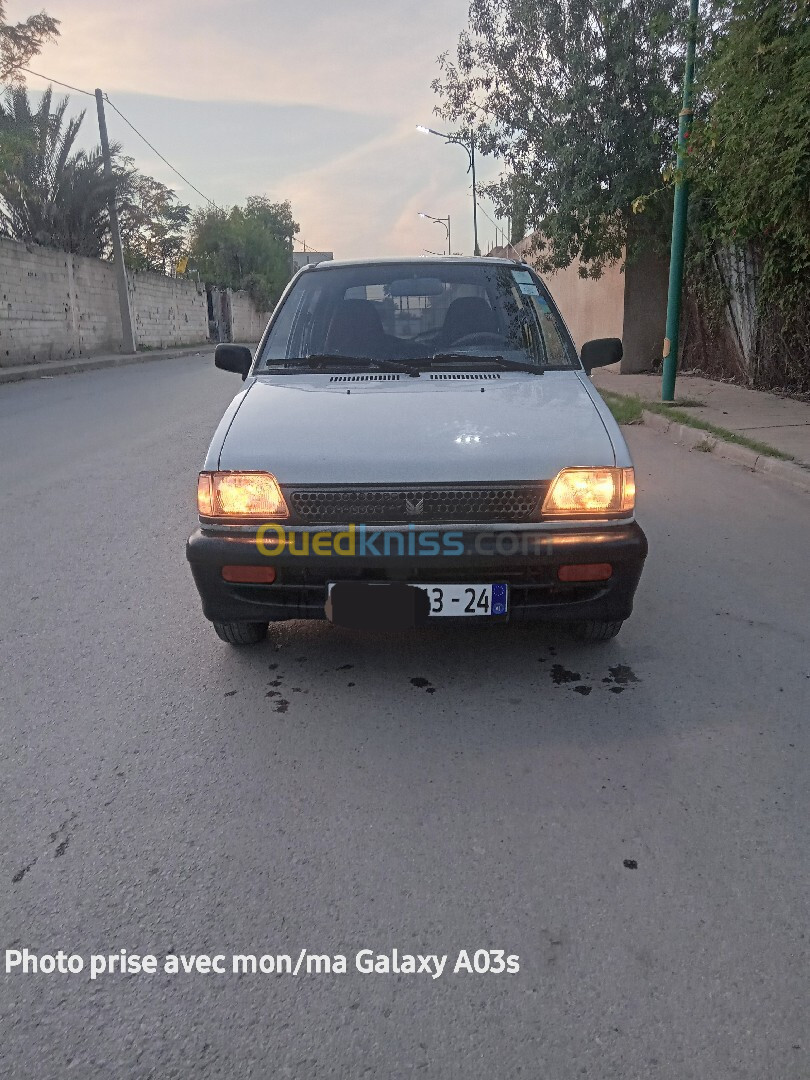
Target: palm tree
x=50, y=193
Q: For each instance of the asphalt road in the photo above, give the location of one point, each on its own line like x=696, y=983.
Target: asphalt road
x=445, y=790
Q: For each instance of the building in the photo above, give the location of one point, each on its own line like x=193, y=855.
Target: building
x=304, y=258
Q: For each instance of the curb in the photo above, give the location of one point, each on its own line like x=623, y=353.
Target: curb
x=691, y=437
x=94, y=363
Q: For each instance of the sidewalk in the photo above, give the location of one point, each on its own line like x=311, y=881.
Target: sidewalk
x=49, y=369
x=780, y=422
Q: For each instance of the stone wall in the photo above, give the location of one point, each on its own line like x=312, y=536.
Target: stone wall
x=167, y=311
x=55, y=306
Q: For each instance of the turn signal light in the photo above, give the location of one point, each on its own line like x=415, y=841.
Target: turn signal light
x=576, y=492
x=600, y=571
x=240, y=495
x=250, y=575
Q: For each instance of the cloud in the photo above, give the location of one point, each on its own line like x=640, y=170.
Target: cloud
x=315, y=101
x=367, y=200
x=365, y=56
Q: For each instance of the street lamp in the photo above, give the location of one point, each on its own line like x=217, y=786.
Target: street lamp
x=470, y=148
x=440, y=221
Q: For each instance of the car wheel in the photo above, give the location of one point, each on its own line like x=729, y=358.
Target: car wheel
x=241, y=633
x=595, y=630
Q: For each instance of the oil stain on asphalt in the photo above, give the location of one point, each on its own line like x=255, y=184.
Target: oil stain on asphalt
x=623, y=675
x=560, y=675
x=619, y=678
x=423, y=684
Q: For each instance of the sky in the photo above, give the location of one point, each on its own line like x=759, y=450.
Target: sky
x=315, y=101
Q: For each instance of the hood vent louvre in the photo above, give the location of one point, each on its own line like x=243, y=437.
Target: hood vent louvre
x=363, y=378
x=441, y=376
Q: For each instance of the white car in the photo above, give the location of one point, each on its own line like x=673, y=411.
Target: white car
x=415, y=440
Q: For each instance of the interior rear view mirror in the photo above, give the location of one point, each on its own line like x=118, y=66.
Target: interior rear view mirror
x=416, y=287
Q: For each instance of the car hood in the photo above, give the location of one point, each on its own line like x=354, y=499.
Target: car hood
x=383, y=429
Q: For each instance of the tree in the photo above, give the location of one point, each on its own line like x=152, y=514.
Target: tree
x=50, y=193
x=20, y=42
x=749, y=163
x=246, y=247
x=751, y=156
x=154, y=225
x=580, y=99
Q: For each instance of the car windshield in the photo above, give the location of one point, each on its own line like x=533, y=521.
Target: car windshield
x=419, y=313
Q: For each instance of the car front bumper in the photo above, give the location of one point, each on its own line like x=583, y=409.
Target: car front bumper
x=535, y=591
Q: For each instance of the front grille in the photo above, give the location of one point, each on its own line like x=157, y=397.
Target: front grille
x=433, y=504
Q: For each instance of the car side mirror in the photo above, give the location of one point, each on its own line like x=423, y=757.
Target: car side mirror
x=236, y=358
x=600, y=352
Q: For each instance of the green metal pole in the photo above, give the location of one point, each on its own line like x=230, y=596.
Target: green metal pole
x=679, y=217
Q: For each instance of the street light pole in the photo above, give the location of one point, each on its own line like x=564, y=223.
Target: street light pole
x=440, y=221
x=475, y=197
x=470, y=148
x=679, y=210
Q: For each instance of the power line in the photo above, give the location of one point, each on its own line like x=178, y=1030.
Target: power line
x=129, y=124
x=87, y=93
x=67, y=86
x=155, y=151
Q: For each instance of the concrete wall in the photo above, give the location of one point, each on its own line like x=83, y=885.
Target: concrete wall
x=247, y=324
x=167, y=311
x=592, y=308
x=629, y=304
x=54, y=306
x=645, y=312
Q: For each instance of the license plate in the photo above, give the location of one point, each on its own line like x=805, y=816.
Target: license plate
x=466, y=600
x=463, y=601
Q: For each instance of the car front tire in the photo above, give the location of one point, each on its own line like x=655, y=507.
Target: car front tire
x=594, y=631
x=241, y=633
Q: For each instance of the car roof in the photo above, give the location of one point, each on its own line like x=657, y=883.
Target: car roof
x=416, y=260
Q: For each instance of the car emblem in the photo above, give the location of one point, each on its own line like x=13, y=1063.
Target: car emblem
x=414, y=506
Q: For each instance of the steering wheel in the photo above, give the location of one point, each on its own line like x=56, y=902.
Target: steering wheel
x=483, y=338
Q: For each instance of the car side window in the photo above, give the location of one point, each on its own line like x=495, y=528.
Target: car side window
x=292, y=330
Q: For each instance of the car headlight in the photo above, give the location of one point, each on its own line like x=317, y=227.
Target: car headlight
x=254, y=495
x=576, y=492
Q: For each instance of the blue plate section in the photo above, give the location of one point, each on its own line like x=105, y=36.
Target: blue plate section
x=498, y=599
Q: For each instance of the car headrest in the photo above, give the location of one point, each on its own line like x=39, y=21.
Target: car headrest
x=356, y=328
x=468, y=315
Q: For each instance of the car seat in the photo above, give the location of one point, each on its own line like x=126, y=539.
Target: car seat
x=356, y=330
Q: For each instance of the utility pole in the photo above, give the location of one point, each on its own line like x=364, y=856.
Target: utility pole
x=127, y=328
x=679, y=210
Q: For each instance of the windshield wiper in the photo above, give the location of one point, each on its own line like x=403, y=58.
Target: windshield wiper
x=502, y=362
x=320, y=359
